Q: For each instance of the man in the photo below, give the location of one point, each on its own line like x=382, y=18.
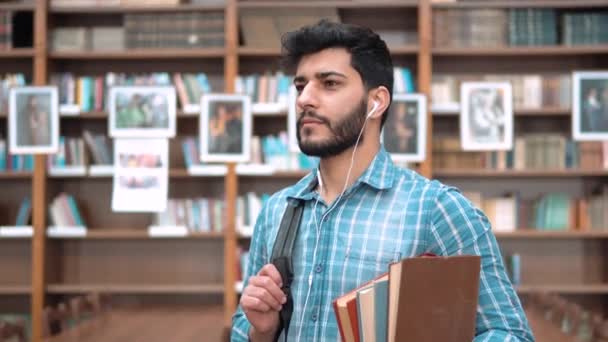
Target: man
x=360, y=211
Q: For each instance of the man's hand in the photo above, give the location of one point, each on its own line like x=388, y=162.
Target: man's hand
x=262, y=300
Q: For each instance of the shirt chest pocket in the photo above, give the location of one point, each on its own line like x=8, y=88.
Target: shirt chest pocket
x=374, y=260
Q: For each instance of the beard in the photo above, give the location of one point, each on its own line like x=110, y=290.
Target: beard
x=344, y=133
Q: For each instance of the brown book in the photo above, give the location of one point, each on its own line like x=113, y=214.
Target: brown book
x=433, y=299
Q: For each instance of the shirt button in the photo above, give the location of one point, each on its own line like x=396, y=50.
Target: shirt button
x=318, y=268
x=314, y=317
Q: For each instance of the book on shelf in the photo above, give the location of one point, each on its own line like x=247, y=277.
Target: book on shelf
x=262, y=28
x=6, y=30
x=535, y=151
x=100, y=148
x=553, y=211
x=70, y=158
x=406, y=299
x=248, y=207
x=14, y=162
x=196, y=214
x=64, y=212
x=265, y=88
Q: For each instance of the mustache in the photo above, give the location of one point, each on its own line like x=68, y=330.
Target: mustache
x=312, y=115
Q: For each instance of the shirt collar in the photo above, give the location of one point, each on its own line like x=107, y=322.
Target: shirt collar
x=380, y=175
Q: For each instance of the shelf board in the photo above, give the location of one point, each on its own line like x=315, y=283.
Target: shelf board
x=15, y=289
x=15, y=174
x=521, y=50
x=17, y=6
x=522, y=3
x=469, y=173
x=246, y=51
x=134, y=9
x=135, y=289
x=528, y=112
x=330, y=4
x=541, y=234
x=17, y=52
x=600, y=289
x=138, y=54
x=140, y=234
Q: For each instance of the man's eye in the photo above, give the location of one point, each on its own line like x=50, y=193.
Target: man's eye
x=299, y=88
x=330, y=83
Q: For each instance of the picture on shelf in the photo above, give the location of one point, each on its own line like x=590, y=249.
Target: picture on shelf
x=225, y=128
x=142, y=112
x=486, y=116
x=140, y=175
x=404, y=132
x=33, y=120
x=590, y=106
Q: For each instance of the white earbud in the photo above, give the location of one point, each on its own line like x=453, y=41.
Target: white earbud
x=373, y=109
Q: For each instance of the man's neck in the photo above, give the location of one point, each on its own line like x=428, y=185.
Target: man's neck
x=334, y=170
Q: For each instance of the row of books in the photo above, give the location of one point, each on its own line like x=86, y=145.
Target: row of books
x=71, y=153
x=517, y=27
x=90, y=93
x=265, y=88
x=551, y=211
x=248, y=207
x=196, y=214
x=82, y=38
x=530, y=91
x=174, y=30
x=531, y=151
x=7, y=81
x=14, y=162
x=112, y=3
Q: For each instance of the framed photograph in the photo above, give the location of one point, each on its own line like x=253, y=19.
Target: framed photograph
x=590, y=105
x=225, y=128
x=292, y=120
x=142, y=112
x=33, y=120
x=404, y=132
x=486, y=116
x=141, y=173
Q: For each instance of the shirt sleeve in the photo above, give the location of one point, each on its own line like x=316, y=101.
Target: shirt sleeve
x=257, y=258
x=457, y=227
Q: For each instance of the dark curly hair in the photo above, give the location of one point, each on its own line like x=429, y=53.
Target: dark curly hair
x=369, y=54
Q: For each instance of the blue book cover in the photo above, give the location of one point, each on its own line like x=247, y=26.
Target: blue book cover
x=24, y=212
x=75, y=212
x=381, y=308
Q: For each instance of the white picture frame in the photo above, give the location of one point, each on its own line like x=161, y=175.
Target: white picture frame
x=292, y=120
x=29, y=134
x=590, y=105
x=226, y=139
x=404, y=132
x=157, y=122
x=486, y=116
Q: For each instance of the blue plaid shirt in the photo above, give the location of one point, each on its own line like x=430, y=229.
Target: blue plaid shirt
x=388, y=214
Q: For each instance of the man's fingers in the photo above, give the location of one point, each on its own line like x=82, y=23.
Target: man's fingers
x=250, y=303
x=270, y=286
x=271, y=271
x=264, y=295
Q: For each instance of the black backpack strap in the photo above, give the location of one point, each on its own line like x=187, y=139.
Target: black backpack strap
x=281, y=257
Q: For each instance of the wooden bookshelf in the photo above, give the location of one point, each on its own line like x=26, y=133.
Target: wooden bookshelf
x=598, y=289
x=136, y=9
x=15, y=174
x=141, y=234
x=138, y=54
x=8, y=290
x=521, y=4
x=330, y=4
x=15, y=5
x=522, y=51
x=469, y=173
x=135, y=289
x=16, y=52
x=122, y=239
x=551, y=235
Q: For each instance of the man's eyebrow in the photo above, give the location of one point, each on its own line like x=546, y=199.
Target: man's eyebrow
x=299, y=79
x=326, y=74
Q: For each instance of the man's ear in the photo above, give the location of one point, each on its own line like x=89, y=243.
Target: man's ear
x=380, y=99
